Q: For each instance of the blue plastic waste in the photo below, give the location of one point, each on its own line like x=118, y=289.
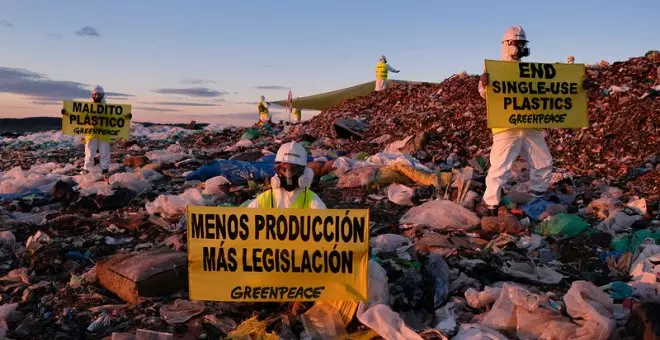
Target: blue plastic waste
x=536, y=207
x=237, y=172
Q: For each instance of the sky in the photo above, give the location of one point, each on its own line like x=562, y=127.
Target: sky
x=175, y=61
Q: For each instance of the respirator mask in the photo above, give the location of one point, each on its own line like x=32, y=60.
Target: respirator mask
x=517, y=49
x=288, y=175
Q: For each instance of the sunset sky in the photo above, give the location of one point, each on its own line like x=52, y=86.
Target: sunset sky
x=210, y=60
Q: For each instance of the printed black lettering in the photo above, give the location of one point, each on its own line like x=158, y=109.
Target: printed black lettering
x=496, y=86
x=507, y=102
x=197, y=221
x=524, y=70
x=259, y=225
x=208, y=258
x=77, y=106
x=208, y=222
x=244, y=233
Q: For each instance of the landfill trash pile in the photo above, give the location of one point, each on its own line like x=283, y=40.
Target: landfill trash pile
x=93, y=256
x=621, y=142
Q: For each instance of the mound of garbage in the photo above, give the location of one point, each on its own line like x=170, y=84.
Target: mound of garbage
x=93, y=256
x=621, y=140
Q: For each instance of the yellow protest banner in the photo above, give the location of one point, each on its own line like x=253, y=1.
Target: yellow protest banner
x=248, y=255
x=106, y=121
x=535, y=95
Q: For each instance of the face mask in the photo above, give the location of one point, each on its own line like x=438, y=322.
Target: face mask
x=517, y=51
x=288, y=183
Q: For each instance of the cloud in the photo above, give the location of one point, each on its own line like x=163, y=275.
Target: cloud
x=88, y=31
x=196, y=81
x=28, y=83
x=182, y=104
x=247, y=103
x=193, y=92
x=271, y=87
x=47, y=102
x=55, y=35
x=118, y=95
x=5, y=23
x=157, y=109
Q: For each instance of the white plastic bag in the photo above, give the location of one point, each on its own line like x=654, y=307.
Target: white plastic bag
x=389, y=243
x=173, y=206
x=212, y=185
x=378, y=290
x=400, y=194
x=473, y=331
x=441, y=215
x=386, y=323
x=131, y=182
x=591, y=309
x=357, y=177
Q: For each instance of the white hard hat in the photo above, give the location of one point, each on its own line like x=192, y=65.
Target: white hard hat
x=514, y=33
x=98, y=90
x=292, y=153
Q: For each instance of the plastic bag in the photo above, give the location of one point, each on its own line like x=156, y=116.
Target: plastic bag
x=386, y=323
x=250, y=134
x=562, y=225
x=400, y=194
x=378, y=290
x=149, y=175
x=323, y=321
x=473, y=331
x=173, y=206
x=441, y=215
x=389, y=243
x=343, y=165
x=439, y=271
x=538, y=274
x=527, y=315
x=357, y=177
x=477, y=299
x=212, y=185
x=646, y=267
x=591, y=309
x=131, y=182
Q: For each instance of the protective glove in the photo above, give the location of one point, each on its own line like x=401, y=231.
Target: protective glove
x=63, y=111
x=484, y=79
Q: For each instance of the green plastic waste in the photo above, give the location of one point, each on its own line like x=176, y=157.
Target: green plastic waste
x=305, y=144
x=618, y=290
x=632, y=242
x=562, y=224
x=362, y=156
x=251, y=134
x=329, y=177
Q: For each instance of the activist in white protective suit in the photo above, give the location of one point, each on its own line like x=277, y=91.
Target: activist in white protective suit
x=382, y=68
x=509, y=143
x=290, y=185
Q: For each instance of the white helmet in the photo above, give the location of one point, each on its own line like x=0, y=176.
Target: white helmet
x=514, y=33
x=98, y=90
x=292, y=153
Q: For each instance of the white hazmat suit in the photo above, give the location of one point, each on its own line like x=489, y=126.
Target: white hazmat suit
x=94, y=144
x=508, y=144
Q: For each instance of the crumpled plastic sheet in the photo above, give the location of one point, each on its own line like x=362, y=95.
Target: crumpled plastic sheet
x=173, y=206
x=215, y=127
x=38, y=138
x=390, y=243
x=538, y=274
x=38, y=177
x=474, y=331
x=531, y=316
x=441, y=214
x=386, y=323
x=130, y=181
x=212, y=185
x=172, y=154
x=400, y=194
x=156, y=132
x=382, y=158
x=181, y=311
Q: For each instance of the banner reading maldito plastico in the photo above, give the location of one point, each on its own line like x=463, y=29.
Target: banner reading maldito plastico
x=106, y=121
x=247, y=255
x=535, y=95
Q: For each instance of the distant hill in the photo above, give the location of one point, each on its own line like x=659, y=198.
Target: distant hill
x=38, y=124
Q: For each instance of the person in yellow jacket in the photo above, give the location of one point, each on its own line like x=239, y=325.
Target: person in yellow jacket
x=382, y=68
x=264, y=114
x=509, y=143
x=297, y=115
x=290, y=185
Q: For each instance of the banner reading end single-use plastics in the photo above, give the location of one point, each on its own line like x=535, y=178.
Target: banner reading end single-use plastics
x=248, y=255
x=106, y=121
x=535, y=95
